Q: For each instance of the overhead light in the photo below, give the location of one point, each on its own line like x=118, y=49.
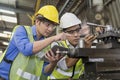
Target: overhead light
x=118, y=40
x=5, y=43
x=8, y=18
x=5, y=35
x=7, y=32
x=0, y=51
x=6, y=11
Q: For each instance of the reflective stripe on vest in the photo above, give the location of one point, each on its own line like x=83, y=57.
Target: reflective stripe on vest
x=27, y=75
x=66, y=73
x=69, y=74
x=51, y=77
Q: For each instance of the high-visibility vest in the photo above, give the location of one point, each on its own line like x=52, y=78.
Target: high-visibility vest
x=27, y=67
x=58, y=73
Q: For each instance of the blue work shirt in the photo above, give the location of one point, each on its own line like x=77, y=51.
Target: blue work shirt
x=19, y=43
x=44, y=65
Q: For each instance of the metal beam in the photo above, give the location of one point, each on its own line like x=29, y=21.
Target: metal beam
x=37, y=5
x=2, y=39
x=5, y=29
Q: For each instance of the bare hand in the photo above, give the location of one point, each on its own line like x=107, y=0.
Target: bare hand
x=52, y=57
x=99, y=29
x=89, y=39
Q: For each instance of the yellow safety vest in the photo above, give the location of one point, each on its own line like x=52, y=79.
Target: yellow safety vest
x=65, y=74
x=27, y=67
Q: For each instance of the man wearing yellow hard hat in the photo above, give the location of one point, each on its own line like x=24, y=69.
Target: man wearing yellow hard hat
x=22, y=58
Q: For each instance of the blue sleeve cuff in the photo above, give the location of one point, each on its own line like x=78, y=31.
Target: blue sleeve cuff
x=44, y=65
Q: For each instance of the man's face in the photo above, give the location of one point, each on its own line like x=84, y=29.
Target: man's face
x=74, y=31
x=45, y=28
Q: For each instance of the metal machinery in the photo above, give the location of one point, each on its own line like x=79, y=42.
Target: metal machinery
x=102, y=62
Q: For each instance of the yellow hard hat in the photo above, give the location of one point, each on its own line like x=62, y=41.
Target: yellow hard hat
x=49, y=12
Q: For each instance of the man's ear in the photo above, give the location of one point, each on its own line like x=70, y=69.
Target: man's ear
x=37, y=22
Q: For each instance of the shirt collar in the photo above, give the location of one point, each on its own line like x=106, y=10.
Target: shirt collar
x=35, y=33
x=34, y=30
x=71, y=46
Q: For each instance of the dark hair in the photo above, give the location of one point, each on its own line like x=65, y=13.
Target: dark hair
x=43, y=19
x=66, y=28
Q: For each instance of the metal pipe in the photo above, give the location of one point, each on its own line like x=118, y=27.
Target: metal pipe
x=70, y=5
x=90, y=3
x=63, y=7
x=76, y=6
x=81, y=7
x=93, y=24
x=116, y=13
x=37, y=5
x=112, y=15
x=107, y=2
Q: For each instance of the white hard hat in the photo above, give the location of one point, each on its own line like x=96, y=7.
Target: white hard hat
x=68, y=20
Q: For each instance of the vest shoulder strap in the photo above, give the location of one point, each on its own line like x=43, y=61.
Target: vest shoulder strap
x=29, y=32
x=63, y=43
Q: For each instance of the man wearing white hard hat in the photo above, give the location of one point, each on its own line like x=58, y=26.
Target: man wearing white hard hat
x=70, y=67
